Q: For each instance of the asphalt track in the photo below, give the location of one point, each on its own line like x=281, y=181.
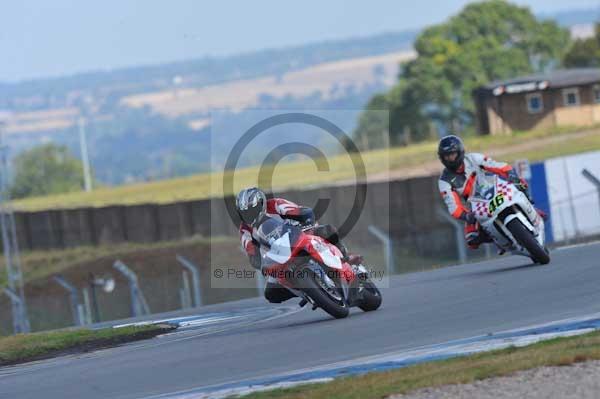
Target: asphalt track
x=419, y=309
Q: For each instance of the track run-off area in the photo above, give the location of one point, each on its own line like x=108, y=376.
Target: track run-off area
x=220, y=347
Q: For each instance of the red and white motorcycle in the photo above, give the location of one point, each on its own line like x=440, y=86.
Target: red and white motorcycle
x=312, y=269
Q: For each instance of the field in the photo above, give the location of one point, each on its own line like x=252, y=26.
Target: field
x=234, y=95
x=242, y=94
x=401, y=162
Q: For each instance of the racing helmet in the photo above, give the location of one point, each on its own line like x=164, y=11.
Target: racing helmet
x=451, y=152
x=251, y=204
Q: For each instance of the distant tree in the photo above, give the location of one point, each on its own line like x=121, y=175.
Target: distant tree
x=46, y=169
x=485, y=41
x=584, y=52
x=373, y=122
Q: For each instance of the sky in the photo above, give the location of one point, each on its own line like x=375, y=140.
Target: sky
x=46, y=38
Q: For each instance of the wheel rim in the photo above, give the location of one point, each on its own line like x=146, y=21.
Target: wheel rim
x=332, y=292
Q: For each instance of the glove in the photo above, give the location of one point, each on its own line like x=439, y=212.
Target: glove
x=255, y=261
x=514, y=178
x=469, y=217
x=522, y=185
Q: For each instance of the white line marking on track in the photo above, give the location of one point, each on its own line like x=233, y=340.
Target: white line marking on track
x=164, y=339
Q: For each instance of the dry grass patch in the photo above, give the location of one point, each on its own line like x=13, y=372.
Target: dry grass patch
x=415, y=159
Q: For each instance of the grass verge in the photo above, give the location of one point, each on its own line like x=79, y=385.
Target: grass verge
x=532, y=145
x=23, y=348
x=462, y=370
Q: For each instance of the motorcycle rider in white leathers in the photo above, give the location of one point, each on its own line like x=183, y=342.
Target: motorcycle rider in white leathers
x=457, y=183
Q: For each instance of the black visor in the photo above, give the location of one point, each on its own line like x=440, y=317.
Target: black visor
x=251, y=214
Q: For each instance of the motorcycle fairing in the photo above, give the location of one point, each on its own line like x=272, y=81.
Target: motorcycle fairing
x=487, y=207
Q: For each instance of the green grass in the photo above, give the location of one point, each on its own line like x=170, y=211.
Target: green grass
x=43, y=263
x=462, y=370
x=24, y=347
x=304, y=173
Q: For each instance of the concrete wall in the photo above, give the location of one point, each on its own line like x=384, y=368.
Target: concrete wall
x=404, y=208
x=574, y=200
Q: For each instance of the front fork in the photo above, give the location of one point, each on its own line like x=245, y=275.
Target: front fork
x=355, y=294
x=348, y=294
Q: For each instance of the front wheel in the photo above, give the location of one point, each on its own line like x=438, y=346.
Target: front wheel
x=327, y=298
x=524, y=237
x=371, y=297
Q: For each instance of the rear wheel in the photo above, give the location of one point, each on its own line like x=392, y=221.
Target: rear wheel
x=371, y=297
x=326, y=297
x=524, y=237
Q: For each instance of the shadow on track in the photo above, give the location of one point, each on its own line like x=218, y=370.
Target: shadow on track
x=328, y=319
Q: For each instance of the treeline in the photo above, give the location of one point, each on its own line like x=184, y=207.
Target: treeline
x=585, y=52
x=486, y=41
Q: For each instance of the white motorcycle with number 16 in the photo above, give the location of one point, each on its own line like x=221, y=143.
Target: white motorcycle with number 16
x=509, y=218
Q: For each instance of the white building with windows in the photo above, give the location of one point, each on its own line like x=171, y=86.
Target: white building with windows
x=569, y=97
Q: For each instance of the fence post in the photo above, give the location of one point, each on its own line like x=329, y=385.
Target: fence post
x=139, y=306
x=488, y=251
x=387, y=247
x=87, y=306
x=593, y=179
x=261, y=282
x=76, y=309
x=22, y=326
x=186, y=295
x=459, y=234
x=195, y=278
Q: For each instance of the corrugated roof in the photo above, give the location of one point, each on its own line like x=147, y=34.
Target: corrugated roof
x=555, y=79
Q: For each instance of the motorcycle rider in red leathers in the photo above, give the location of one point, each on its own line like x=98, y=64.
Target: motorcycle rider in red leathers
x=254, y=208
x=457, y=183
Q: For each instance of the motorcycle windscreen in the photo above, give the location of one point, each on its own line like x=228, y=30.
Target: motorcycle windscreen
x=277, y=240
x=485, y=186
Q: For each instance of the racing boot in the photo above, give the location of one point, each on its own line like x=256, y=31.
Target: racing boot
x=475, y=236
x=472, y=235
